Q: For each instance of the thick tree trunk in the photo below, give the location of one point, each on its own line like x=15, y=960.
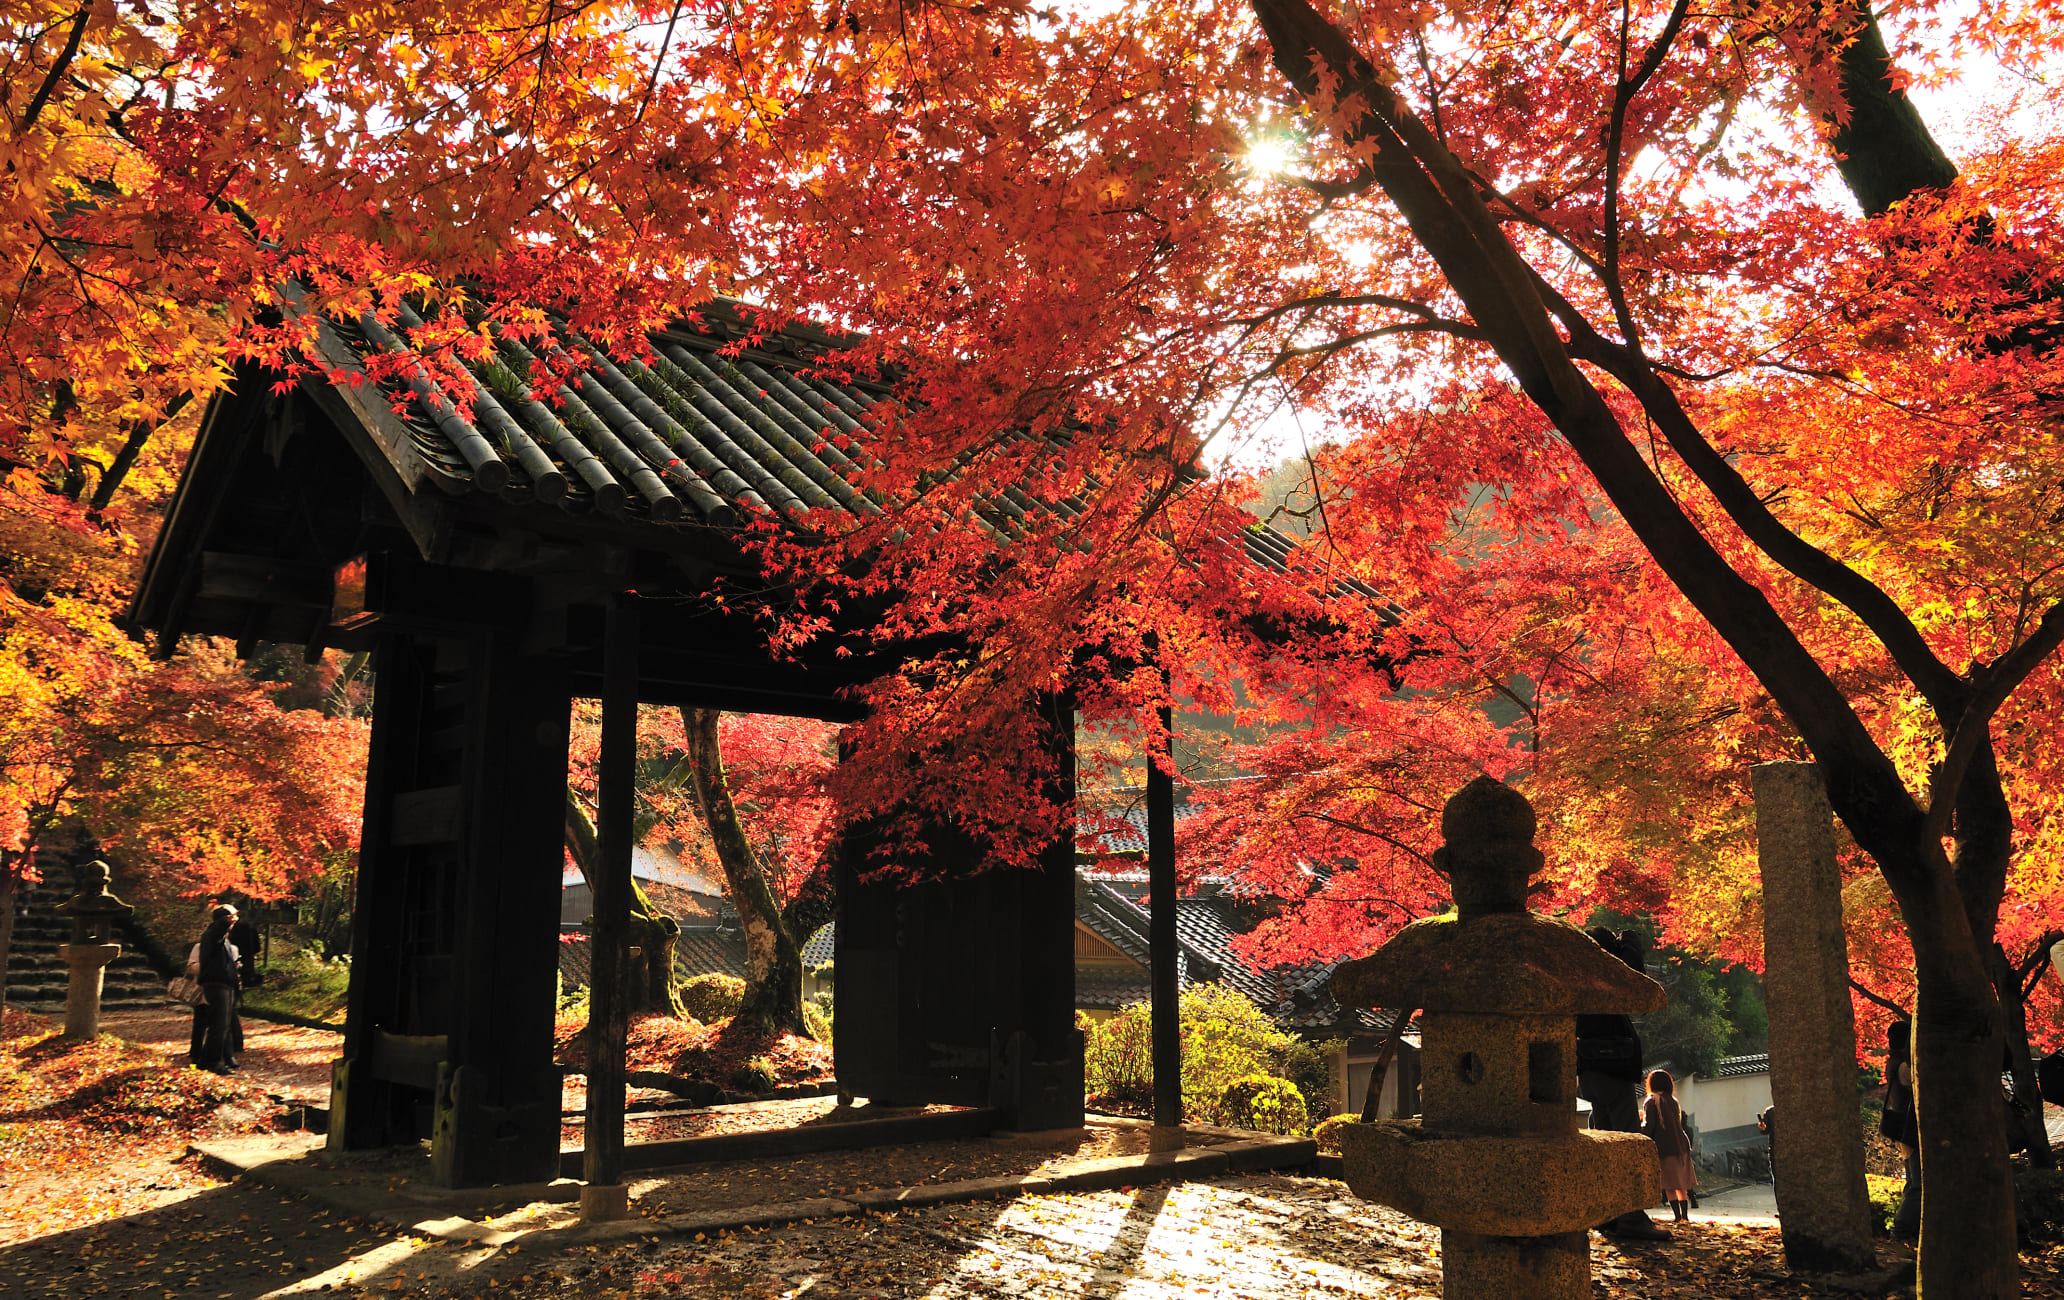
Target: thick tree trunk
x=1967, y=1197
x=773, y=999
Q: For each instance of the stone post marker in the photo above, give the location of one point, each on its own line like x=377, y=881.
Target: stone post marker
x=1822, y=1205
x=1497, y=1160
x=94, y=912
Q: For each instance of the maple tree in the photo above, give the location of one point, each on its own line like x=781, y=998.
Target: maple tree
x=197, y=777
x=784, y=886
x=744, y=796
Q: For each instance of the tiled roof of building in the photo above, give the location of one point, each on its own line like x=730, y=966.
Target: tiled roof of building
x=1127, y=834
x=817, y=952
x=684, y=436
x=1107, y=988
x=575, y=964
x=1120, y=922
x=1735, y=1067
x=1295, y=997
x=699, y=950
x=703, y=949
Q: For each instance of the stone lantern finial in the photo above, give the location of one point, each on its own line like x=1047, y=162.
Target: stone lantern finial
x=1489, y=855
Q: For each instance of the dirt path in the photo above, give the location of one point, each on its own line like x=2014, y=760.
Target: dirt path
x=286, y=1060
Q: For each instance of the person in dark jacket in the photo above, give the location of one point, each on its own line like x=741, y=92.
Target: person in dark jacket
x=244, y=937
x=214, y=965
x=1766, y=1123
x=1898, y=1125
x=1609, y=1075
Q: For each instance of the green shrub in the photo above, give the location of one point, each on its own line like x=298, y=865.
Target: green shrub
x=816, y=1022
x=1885, y=1195
x=1224, y=1037
x=1263, y=1103
x=574, y=1002
x=1309, y=1065
x=713, y=996
x=1117, y=1057
x=1328, y=1131
x=756, y=1075
x=301, y=983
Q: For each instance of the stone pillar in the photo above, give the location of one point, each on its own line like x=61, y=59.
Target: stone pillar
x=1822, y=1205
x=88, y=962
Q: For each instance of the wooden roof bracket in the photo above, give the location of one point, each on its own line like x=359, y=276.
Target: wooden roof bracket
x=353, y=403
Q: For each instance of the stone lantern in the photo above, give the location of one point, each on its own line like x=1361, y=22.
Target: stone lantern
x=94, y=912
x=1496, y=1159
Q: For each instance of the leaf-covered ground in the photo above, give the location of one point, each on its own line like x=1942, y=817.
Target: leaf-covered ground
x=1254, y=1238
x=712, y=1052
x=95, y=1130
x=289, y=1061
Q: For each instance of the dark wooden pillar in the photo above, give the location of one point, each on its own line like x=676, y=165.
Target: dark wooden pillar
x=959, y=987
x=454, y=936
x=365, y=1112
x=1164, y=950
x=497, y=1089
x=604, y=1197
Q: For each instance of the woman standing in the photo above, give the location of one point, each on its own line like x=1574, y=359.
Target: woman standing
x=1663, y=1120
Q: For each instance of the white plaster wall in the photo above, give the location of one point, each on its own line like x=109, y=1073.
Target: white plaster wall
x=1717, y=1104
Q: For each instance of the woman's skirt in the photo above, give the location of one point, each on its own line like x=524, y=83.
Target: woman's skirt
x=1678, y=1174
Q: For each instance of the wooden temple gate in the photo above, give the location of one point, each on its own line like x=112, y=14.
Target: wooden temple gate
x=478, y=561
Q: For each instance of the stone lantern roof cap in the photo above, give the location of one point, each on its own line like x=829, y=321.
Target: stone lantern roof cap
x=1493, y=957
x=94, y=899
x=1504, y=964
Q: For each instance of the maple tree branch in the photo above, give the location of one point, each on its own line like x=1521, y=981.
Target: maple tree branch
x=132, y=447
x=1974, y=726
x=1886, y=1003
x=1406, y=305
x=2030, y=970
x=1370, y=831
x=1882, y=149
x=57, y=71
x=1803, y=560
x=1615, y=135
x=658, y=62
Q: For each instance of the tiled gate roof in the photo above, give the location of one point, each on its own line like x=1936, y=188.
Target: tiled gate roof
x=697, y=432
x=721, y=421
